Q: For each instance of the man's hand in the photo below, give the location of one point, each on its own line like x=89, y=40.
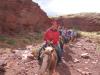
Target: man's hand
x=49, y=42
x=60, y=37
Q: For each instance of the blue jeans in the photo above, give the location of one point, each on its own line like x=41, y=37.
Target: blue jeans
x=59, y=52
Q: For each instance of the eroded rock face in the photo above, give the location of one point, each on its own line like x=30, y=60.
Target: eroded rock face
x=83, y=21
x=21, y=16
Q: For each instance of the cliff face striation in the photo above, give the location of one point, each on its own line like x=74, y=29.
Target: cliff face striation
x=21, y=16
x=83, y=21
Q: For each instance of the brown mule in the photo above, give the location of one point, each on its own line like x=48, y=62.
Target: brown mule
x=49, y=61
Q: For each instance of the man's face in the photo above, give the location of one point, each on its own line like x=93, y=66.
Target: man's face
x=55, y=26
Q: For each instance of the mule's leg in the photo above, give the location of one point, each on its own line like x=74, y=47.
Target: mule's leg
x=75, y=38
x=44, y=65
x=53, y=63
x=53, y=70
x=72, y=39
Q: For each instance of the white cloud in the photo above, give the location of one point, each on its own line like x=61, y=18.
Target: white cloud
x=61, y=7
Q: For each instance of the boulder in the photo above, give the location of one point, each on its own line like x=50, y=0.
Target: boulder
x=2, y=64
x=85, y=56
x=84, y=72
x=76, y=60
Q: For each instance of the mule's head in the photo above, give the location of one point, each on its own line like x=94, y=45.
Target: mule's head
x=49, y=48
x=48, y=51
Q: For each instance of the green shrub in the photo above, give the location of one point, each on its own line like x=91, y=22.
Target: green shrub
x=3, y=38
x=30, y=38
x=11, y=42
x=98, y=33
x=76, y=27
x=26, y=41
x=38, y=36
x=79, y=34
x=98, y=47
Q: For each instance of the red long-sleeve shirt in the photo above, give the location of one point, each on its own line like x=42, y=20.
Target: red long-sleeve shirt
x=52, y=35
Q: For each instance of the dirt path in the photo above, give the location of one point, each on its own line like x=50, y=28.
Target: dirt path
x=80, y=58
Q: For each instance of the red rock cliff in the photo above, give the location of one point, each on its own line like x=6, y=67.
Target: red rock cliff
x=83, y=21
x=21, y=16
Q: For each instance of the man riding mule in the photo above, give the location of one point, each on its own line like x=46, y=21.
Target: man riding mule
x=51, y=51
x=68, y=35
x=72, y=34
x=52, y=36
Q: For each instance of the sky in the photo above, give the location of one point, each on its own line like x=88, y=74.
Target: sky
x=64, y=7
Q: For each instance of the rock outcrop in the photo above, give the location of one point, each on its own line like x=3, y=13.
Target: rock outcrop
x=21, y=16
x=83, y=21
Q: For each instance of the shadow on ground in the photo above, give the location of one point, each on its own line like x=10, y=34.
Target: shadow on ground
x=63, y=68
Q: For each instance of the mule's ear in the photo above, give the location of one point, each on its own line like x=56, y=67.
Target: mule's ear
x=52, y=50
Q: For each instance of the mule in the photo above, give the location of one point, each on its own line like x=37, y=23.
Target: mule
x=49, y=61
x=72, y=35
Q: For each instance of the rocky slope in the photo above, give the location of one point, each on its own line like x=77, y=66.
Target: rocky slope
x=21, y=16
x=83, y=21
x=80, y=58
